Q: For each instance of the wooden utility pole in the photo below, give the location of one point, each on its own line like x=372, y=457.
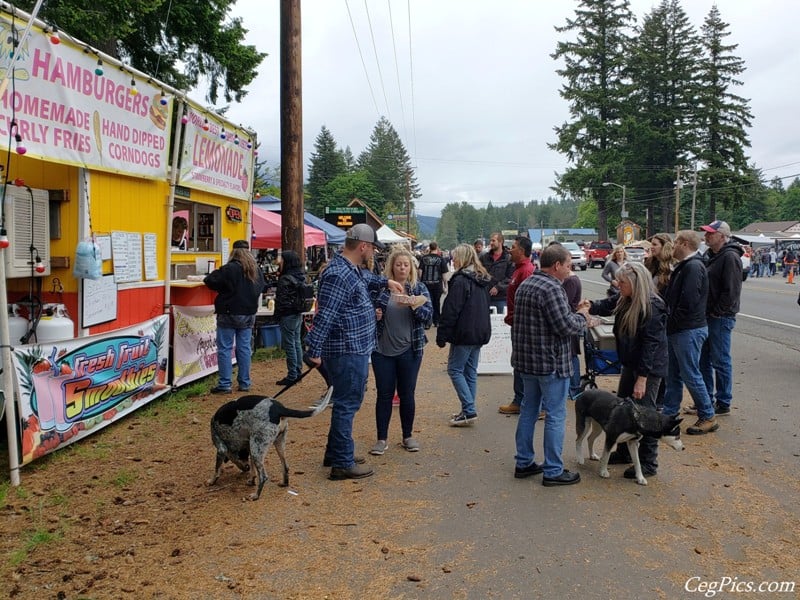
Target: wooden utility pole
x=677, y=199
x=291, y=129
x=408, y=203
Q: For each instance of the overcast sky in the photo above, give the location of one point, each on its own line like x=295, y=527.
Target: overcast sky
x=474, y=95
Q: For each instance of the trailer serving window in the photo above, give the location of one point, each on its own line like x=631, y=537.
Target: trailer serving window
x=202, y=223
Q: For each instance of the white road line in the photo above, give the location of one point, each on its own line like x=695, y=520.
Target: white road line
x=768, y=320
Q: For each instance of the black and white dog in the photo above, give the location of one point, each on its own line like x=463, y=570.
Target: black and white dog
x=244, y=429
x=622, y=420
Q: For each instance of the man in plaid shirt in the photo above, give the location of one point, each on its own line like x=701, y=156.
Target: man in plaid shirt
x=343, y=336
x=541, y=342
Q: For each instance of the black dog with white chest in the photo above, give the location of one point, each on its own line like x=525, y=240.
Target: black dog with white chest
x=622, y=420
x=242, y=431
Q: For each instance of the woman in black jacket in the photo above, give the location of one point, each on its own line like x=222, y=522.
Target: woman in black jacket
x=239, y=284
x=640, y=331
x=465, y=324
x=289, y=312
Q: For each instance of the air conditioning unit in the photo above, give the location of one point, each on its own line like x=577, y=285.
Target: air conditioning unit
x=27, y=215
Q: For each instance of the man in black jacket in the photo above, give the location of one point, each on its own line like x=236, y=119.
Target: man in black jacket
x=432, y=269
x=724, y=264
x=497, y=262
x=686, y=297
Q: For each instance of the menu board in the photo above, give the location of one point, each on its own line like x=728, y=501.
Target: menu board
x=126, y=249
x=150, y=262
x=99, y=301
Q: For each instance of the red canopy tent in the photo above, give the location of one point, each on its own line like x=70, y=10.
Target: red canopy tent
x=267, y=231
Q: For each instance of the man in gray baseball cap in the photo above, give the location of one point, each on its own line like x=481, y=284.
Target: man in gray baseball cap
x=364, y=233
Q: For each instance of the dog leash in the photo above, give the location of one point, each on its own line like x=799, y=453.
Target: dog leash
x=311, y=367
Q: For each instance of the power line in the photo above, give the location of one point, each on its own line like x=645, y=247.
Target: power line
x=361, y=55
x=377, y=61
x=411, y=66
x=397, y=69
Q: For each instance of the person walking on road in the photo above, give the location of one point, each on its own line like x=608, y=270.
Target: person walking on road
x=541, y=342
x=289, y=313
x=432, y=270
x=466, y=326
x=724, y=265
x=343, y=338
x=497, y=262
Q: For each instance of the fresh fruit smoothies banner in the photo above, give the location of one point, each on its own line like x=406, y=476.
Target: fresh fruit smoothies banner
x=69, y=389
x=67, y=106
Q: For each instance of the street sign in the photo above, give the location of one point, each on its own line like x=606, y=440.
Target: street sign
x=346, y=217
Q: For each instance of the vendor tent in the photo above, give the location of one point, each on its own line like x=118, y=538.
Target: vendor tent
x=387, y=235
x=267, y=231
x=334, y=235
x=753, y=240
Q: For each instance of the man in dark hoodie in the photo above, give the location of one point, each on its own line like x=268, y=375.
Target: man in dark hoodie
x=686, y=297
x=724, y=265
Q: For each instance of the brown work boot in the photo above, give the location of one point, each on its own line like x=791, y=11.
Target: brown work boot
x=508, y=409
x=703, y=426
x=354, y=472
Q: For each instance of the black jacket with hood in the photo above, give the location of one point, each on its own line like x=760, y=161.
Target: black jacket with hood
x=286, y=291
x=686, y=295
x=236, y=294
x=724, y=280
x=465, y=315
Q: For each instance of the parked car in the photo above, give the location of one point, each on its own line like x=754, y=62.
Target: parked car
x=635, y=253
x=578, y=257
x=596, y=253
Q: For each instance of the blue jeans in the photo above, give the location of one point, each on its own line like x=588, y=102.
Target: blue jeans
x=238, y=329
x=395, y=373
x=715, y=359
x=519, y=388
x=548, y=393
x=575, y=380
x=291, y=327
x=462, y=367
x=348, y=376
x=500, y=305
x=684, y=368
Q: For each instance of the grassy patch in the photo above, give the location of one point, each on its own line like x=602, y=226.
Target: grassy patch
x=33, y=539
x=124, y=478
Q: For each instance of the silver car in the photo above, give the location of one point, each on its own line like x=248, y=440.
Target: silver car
x=578, y=256
x=635, y=253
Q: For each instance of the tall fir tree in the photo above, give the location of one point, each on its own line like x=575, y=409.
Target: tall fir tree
x=596, y=88
x=326, y=164
x=722, y=120
x=661, y=123
x=389, y=168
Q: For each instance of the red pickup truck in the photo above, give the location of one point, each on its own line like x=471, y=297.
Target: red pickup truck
x=596, y=253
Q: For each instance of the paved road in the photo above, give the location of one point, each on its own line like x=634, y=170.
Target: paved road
x=725, y=507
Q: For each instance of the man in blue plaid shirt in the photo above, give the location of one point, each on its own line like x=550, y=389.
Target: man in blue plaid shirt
x=343, y=336
x=541, y=350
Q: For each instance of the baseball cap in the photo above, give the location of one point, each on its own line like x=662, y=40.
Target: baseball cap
x=241, y=244
x=364, y=233
x=718, y=226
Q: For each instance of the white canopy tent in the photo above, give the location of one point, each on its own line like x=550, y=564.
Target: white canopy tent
x=387, y=235
x=754, y=240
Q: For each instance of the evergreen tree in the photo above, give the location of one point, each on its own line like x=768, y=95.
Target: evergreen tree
x=722, y=120
x=180, y=42
x=349, y=159
x=344, y=187
x=596, y=88
x=661, y=125
x=326, y=163
x=389, y=168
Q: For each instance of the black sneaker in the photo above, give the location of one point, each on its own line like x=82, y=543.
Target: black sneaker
x=220, y=390
x=285, y=381
x=463, y=419
x=566, y=478
x=531, y=469
x=721, y=409
x=630, y=472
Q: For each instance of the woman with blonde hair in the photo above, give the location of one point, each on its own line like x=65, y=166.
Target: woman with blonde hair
x=660, y=261
x=239, y=285
x=615, y=260
x=640, y=331
x=464, y=323
x=401, y=337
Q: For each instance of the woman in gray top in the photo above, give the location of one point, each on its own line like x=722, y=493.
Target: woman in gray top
x=615, y=260
x=401, y=337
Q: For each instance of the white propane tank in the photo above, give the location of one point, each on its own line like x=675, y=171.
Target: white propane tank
x=55, y=324
x=17, y=325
